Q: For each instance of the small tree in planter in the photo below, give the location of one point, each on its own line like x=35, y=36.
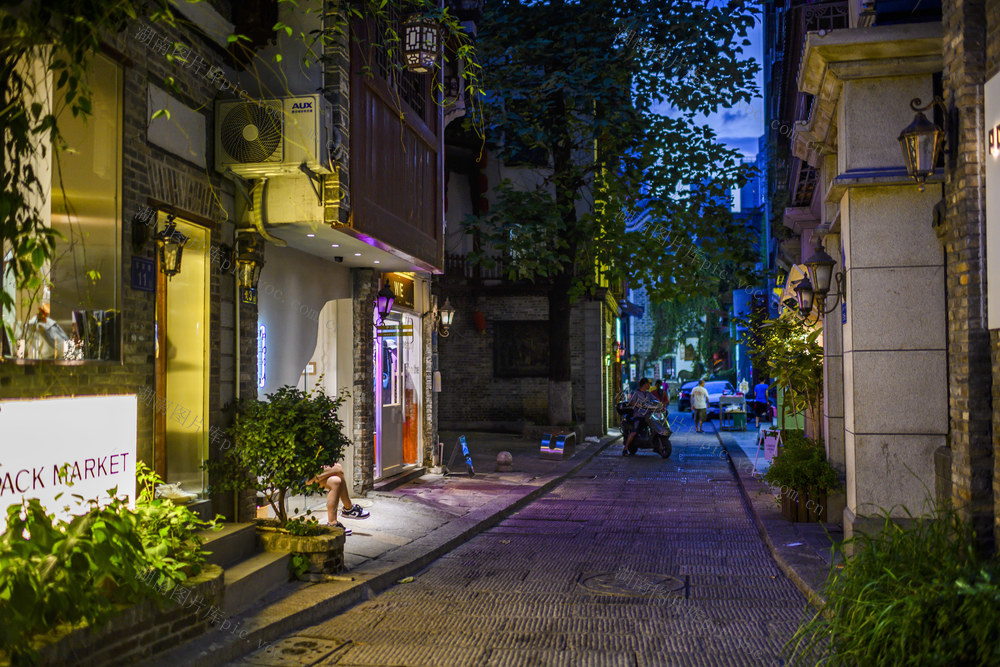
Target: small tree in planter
x=803, y=475
x=281, y=443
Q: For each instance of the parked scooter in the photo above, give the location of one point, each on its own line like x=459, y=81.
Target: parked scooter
x=653, y=434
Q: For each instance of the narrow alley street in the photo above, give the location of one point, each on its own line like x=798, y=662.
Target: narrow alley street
x=632, y=561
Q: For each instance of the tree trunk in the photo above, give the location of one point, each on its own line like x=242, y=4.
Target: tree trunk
x=560, y=375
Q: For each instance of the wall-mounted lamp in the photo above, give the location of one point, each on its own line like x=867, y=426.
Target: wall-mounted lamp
x=383, y=301
x=922, y=141
x=817, y=286
x=447, y=315
x=421, y=36
x=248, y=267
x=171, y=244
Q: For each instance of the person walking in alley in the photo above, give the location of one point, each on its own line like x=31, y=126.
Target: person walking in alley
x=332, y=478
x=699, y=405
x=760, y=401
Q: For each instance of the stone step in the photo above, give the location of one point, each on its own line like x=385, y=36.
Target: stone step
x=235, y=542
x=390, y=483
x=250, y=580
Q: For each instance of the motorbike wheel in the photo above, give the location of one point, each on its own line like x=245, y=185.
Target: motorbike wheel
x=665, y=447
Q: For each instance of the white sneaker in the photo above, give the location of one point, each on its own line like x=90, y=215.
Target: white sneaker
x=175, y=493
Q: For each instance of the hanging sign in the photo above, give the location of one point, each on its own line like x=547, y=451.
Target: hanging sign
x=394, y=330
x=402, y=288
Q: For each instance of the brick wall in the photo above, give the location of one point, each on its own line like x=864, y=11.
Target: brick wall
x=993, y=69
x=142, y=630
x=471, y=397
x=969, y=359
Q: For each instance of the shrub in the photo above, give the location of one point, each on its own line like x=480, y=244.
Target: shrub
x=55, y=572
x=915, y=595
x=281, y=443
x=801, y=465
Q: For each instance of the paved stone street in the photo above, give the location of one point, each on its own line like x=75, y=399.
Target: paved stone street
x=632, y=561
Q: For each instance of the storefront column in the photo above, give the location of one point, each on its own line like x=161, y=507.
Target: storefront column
x=365, y=283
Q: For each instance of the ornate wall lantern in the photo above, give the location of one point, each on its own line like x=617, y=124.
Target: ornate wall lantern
x=248, y=268
x=383, y=302
x=421, y=39
x=447, y=314
x=816, y=287
x=922, y=142
x=804, y=294
x=171, y=244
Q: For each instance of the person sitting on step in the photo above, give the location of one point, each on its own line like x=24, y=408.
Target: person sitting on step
x=332, y=479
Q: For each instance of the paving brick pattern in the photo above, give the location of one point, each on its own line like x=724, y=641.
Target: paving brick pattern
x=633, y=561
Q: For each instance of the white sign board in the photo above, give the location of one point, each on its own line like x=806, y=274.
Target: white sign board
x=991, y=140
x=771, y=444
x=93, y=436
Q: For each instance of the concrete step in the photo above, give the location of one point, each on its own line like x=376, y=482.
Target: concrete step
x=399, y=479
x=235, y=542
x=250, y=580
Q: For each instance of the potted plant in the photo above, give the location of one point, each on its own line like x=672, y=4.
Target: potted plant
x=280, y=445
x=803, y=476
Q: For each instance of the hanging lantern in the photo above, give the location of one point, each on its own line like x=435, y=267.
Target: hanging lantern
x=421, y=36
x=383, y=302
x=171, y=244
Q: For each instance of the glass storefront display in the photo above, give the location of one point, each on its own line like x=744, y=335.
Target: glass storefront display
x=74, y=314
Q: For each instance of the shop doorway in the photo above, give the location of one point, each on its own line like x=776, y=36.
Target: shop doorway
x=398, y=392
x=182, y=344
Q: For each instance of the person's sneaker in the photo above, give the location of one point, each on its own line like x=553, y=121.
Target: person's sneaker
x=347, y=531
x=356, y=512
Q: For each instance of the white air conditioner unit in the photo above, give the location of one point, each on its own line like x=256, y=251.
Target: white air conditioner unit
x=272, y=137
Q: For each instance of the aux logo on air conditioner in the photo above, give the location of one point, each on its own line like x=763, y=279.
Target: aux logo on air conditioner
x=302, y=107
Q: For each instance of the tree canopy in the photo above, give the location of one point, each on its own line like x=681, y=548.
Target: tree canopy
x=581, y=90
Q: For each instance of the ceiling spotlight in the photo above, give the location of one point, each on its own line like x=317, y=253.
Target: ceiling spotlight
x=310, y=235
x=357, y=254
x=378, y=261
x=334, y=245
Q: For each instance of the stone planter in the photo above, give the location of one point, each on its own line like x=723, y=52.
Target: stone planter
x=323, y=554
x=801, y=506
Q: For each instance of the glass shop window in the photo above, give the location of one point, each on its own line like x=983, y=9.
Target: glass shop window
x=75, y=315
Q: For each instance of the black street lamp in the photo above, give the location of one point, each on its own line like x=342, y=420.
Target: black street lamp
x=922, y=142
x=171, y=244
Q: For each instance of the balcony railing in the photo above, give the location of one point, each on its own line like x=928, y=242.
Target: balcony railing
x=459, y=266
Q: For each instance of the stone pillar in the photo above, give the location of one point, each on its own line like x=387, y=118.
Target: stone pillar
x=833, y=385
x=365, y=284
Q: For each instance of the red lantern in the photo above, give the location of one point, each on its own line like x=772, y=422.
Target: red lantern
x=479, y=320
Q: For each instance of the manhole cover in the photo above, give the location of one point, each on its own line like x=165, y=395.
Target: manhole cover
x=293, y=651
x=629, y=582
